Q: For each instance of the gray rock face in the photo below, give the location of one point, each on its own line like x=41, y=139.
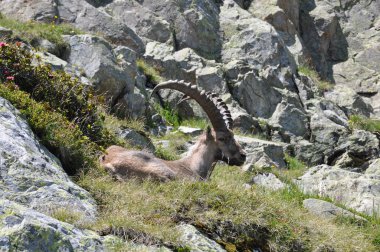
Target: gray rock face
x=328, y=124
x=24, y=229
x=32, y=10
x=355, y=190
x=191, y=237
x=259, y=70
x=268, y=181
x=31, y=175
x=80, y=14
x=351, y=103
x=262, y=153
x=137, y=139
x=328, y=210
x=94, y=55
x=343, y=40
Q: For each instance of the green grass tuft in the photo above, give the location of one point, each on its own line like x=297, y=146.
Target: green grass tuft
x=322, y=85
x=28, y=31
x=361, y=122
x=152, y=74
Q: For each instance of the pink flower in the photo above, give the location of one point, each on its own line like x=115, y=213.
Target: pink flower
x=3, y=44
x=11, y=78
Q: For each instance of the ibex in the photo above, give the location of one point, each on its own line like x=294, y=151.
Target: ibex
x=213, y=145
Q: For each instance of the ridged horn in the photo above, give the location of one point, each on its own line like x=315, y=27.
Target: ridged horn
x=216, y=110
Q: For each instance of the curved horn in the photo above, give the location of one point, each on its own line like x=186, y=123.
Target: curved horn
x=216, y=110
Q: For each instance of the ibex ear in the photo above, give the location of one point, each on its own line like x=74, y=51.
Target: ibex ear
x=208, y=133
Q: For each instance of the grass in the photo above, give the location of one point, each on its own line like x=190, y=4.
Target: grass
x=152, y=74
x=196, y=123
x=276, y=217
x=170, y=115
x=322, y=85
x=361, y=122
x=31, y=30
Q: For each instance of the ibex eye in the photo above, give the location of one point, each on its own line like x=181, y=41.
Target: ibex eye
x=222, y=139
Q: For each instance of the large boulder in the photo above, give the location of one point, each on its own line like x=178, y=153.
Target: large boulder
x=95, y=57
x=359, y=191
x=261, y=153
x=328, y=210
x=24, y=229
x=30, y=175
x=198, y=242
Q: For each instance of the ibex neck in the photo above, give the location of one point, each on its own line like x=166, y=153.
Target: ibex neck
x=200, y=159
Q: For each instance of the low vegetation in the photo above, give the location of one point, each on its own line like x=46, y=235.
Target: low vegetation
x=364, y=123
x=322, y=85
x=152, y=74
x=32, y=30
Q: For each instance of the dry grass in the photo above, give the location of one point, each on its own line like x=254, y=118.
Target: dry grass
x=155, y=208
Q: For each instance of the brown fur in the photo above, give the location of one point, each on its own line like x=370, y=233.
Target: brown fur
x=197, y=165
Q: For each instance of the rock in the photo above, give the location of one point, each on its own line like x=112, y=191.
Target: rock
x=261, y=153
x=262, y=79
x=145, y=22
x=190, y=131
x=194, y=239
x=355, y=190
x=347, y=99
x=31, y=10
x=80, y=14
x=211, y=79
x=328, y=210
x=52, y=60
x=194, y=24
x=268, y=181
x=373, y=167
x=328, y=125
x=94, y=55
x=289, y=118
x=47, y=46
x=131, y=105
x=24, y=229
x=5, y=32
x=361, y=146
x=307, y=89
x=31, y=175
x=137, y=139
x=126, y=57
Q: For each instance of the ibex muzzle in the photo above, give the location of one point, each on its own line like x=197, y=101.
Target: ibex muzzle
x=213, y=145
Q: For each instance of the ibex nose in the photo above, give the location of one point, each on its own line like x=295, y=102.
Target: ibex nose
x=243, y=155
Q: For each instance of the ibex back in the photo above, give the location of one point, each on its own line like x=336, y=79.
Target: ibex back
x=213, y=145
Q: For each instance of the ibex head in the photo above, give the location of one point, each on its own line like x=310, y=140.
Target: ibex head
x=221, y=136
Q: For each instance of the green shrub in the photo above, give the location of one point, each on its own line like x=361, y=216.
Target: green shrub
x=361, y=122
x=62, y=92
x=58, y=134
x=170, y=115
x=28, y=31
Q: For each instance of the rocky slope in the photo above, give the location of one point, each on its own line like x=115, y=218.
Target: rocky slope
x=252, y=53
